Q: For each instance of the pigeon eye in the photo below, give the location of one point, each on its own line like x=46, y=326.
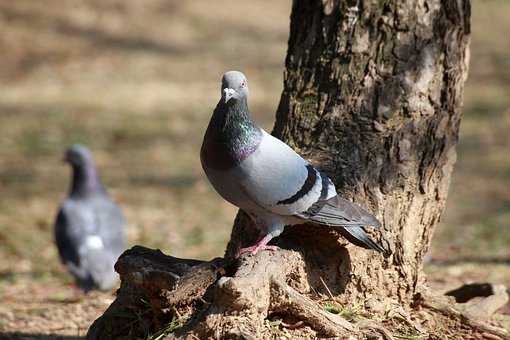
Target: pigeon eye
x=243, y=84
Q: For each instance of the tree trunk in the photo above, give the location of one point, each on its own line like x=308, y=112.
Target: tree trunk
x=372, y=95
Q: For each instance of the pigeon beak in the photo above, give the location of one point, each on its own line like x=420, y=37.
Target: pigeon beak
x=228, y=94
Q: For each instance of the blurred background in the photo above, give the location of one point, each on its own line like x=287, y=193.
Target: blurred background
x=136, y=81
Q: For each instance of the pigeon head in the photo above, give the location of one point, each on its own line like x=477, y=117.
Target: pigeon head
x=234, y=86
x=78, y=156
x=85, y=179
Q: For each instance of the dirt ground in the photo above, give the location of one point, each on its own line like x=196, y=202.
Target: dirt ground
x=136, y=81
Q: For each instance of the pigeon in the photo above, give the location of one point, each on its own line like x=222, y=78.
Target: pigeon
x=268, y=180
x=89, y=228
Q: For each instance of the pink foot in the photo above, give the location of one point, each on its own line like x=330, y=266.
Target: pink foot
x=260, y=245
x=254, y=249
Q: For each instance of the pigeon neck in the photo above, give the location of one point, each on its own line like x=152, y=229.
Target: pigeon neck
x=231, y=136
x=85, y=181
x=236, y=125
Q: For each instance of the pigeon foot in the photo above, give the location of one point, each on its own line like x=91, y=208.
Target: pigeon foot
x=254, y=249
x=260, y=245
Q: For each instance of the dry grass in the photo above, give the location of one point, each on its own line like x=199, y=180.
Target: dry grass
x=137, y=83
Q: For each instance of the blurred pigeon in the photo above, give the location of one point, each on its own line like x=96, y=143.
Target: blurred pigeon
x=267, y=179
x=89, y=229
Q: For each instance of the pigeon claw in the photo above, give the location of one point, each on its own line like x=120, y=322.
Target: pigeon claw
x=255, y=249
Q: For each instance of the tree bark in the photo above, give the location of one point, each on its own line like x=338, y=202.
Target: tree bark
x=372, y=95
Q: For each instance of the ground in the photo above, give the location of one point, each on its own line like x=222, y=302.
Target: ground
x=137, y=81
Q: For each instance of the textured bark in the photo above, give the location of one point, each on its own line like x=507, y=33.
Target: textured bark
x=373, y=95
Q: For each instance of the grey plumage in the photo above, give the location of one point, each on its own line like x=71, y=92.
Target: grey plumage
x=350, y=217
x=89, y=228
x=267, y=179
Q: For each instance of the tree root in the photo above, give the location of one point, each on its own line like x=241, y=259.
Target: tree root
x=255, y=297
x=263, y=288
x=294, y=304
x=153, y=288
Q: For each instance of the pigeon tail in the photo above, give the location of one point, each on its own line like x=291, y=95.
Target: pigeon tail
x=359, y=237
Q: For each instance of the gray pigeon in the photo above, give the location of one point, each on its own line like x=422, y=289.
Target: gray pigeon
x=267, y=179
x=89, y=229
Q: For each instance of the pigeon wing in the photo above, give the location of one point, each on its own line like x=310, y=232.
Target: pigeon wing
x=65, y=239
x=277, y=179
x=346, y=217
x=73, y=225
x=338, y=211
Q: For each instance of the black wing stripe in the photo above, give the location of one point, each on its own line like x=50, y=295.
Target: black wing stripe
x=325, y=186
x=305, y=189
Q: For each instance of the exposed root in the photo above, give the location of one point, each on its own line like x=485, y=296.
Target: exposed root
x=267, y=284
x=267, y=295
x=290, y=302
x=155, y=289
